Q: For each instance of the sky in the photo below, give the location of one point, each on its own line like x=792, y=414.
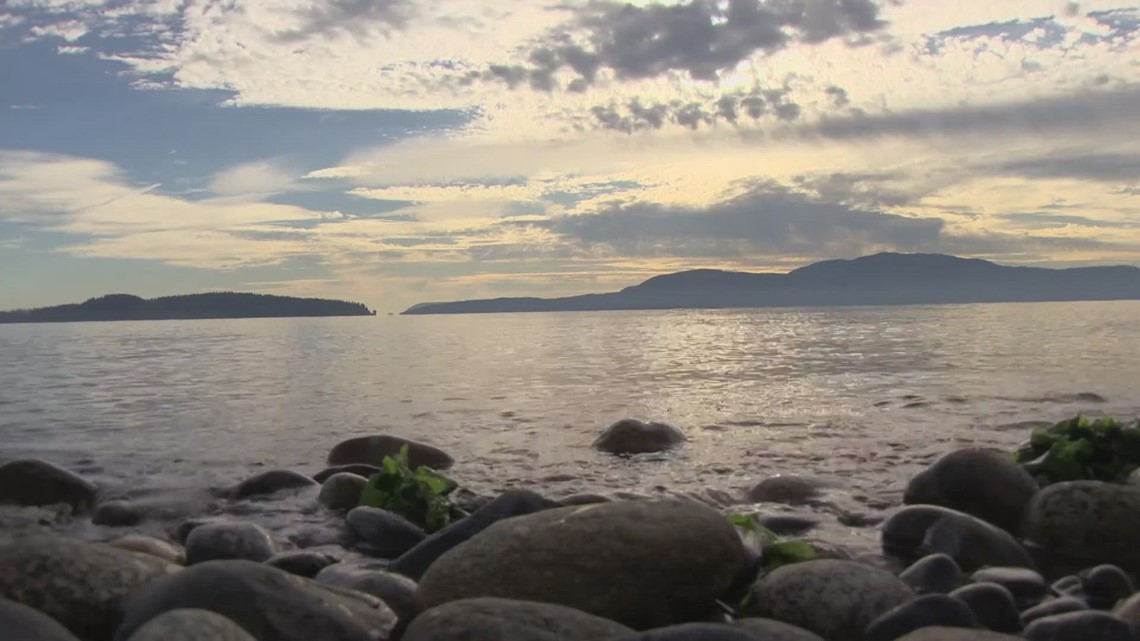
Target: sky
x=394, y=152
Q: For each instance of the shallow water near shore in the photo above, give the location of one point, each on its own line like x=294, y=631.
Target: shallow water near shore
x=861, y=397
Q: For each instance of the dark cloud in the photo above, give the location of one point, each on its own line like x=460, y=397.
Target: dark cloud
x=838, y=96
x=1043, y=220
x=1104, y=167
x=871, y=190
x=729, y=108
x=358, y=18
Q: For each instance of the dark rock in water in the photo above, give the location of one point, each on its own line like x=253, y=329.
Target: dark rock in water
x=934, y=574
x=788, y=524
x=387, y=533
x=272, y=482
x=641, y=563
x=694, y=632
x=359, y=469
x=18, y=622
x=938, y=633
x=1087, y=520
x=398, y=591
x=302, y=563
x=1068, y=585
x=1026, y=586
x=416, y=561
x=631, y=436
x=993, y=606
x=918, y=530
x=371, y=450
x=270, y=604
x=219, y=541
x=979, y=482
x=36, y=482
x=191, y=625
x=1090, y=625
x=1053, y=607
x=81, y=585
x=1106, y=585
x=923, y=612
x=342, y=491
x=584, y=499
x=149, y=545
x=491, y=619
x=786, y=489
x=772, y=630
x=834, y=599
x=116, y=514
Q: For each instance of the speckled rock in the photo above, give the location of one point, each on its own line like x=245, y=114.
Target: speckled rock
x=191, y=625
x=387, y=534
x=18, y=622
x=218, y=541
x=37, y=482
x=143, y=544
x=933, y=574
x=398, y=591
x=1052, y=607
x=371, y=450
x=117, y=513
x=923, y=612
x=301, y=562
x=956, y=634
x=631, y=436
x=271, y=482
x=490, y=619
x=1026, y=586
x=1106, y=585
x=772, y=630
x=1087, y=520
x=835, y=599
x=359, y=469
x=979, y=482
x=1089, y=625
x=81, y=585
x=918, y=530
x=787, y=489
x=342, y=491
x=993, y=606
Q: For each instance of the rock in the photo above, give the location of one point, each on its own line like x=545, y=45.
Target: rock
x=918, y=530
x=584, y=499
x=1090, y=625
x=387, y=533
x=416, y=561
x=1129, y=612
x=218, y=541
x=788, y=524
x=983, y=483
x=1026, y=586
x=36, y=482
x=399, y=592
x=21, y=623
x=302, y=563
x=191, y=625
x=694, y=632
x=1087, y=520
x=641, y=563
x=631, y=436
x=1068, y=585
x=143, y=544
x=359, y=469
x=786, y=489
x=268, y=603
x=1105, y=586
x=938, y=633
x=834, y=599
x=923, y=612
x=342, y=491
x=271, y=482
x=371, y=450
x=772, y=630
x=993, y=606
x=490, y=619
x=1052, y=607
x=934, y=574
x=81, y=585
x=116, y=514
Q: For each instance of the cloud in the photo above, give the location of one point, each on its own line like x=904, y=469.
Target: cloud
x=1104, y=167
x=357, y=18
x=730, y=108
x=256, y=178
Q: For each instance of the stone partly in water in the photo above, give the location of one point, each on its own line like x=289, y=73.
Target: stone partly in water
x=491, y=619
x=359, y=469
x=371, y=450
x=979, y=482
x=271, y=482
x=1053, y=607
x=938, y=633
x=143, y=544
x=631, y=436
x=36, y=482
x=786, y=489
x=302, y=562
x=18, y=622
x=219, y=541
x=918, y=530
x=1026, y=586
x=117, y=513
x=993, y=606
x=342, y=491
x=934, y=574
x=1106, y=585
x=398, y=591
x=1089, y=625
x=642, y=563
x=191, y=625
x=835, y=599
x=79, y=584
x=923, y=612
x=1087, y=520
x=269, y=604
x=387, y=534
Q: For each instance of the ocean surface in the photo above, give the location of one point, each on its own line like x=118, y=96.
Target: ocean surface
x=861, y=398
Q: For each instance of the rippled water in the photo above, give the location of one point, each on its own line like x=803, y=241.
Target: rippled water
x=866, y=395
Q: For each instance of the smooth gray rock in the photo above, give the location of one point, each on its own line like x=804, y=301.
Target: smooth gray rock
x=1026, y=586
x=18, y=622
x=371, y=450
x=37, y=482
x=116, y=514
x=993, y=606
x=1129, y=612
x=979, y=482
x=923, y=612
x=1105, y=586
x=1087, y=520
x=270, y=604
x=584, y=499
x=1069, y=585
x=631, y=436
x=933, y=574
x=301, y=562
x=694, y=632
x=834, y=599
x=396, y=590
x=359, y=469
x=271, y=482
x=79, y=584
x=938, y=633
x=219, y=541
x=388, y=534
x=1090, y=625
x=491, y=619
x=143, y=544
x=342, y=491
x=642, y=563
x=918, y=530
x=772, y=630
x=191, y=625
x=787, y=489
x=1052, y=607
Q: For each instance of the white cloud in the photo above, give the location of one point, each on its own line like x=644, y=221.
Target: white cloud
x=252, y=179
x=70, y=30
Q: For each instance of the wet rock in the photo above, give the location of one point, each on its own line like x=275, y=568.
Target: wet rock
x=1068, y=585
x=923, y=612
x=371, y=450
x=1053, y=607
x=993, y=606
x=983, y=483
x=1105, y=586
x=938, y=633
x=191, y=625
x=693, y=632
x=359, y=469
x=641, y=563
x=271, y=482
x=143, y=544
x=36, y=482
x=834, y=599
x=786, y=489
x=21, y=623
x=1026, y=586
x=631, y=436
x=584, y=499
x=342, y=491
x=1087, y=520
x=788, y=524
x=416, y=561
x=918, y=530
x=116, y=514
x=398, y=591
x=491, y=619
x=1079, y=626
x=81, y=585
x=772, y=630
x=218, y=541
x=302, y=563
x=387, y=534
x=934, y=574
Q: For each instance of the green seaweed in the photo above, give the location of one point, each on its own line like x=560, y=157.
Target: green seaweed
x=1081, y=448
x=774, y=551
x=420, y=495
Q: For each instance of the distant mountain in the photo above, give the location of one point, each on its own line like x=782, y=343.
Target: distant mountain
x=117, y=307
x=882, y=279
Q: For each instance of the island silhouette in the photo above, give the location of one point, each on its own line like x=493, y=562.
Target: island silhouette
x=120, y=307
x=880, y=279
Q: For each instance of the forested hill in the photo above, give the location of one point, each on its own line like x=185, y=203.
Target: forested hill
x=117, y=307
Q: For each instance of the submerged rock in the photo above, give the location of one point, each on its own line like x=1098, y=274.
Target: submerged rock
x=1087, y=520
x=342, y=491
x=218, y=541
x=191, y=625
x=491, y=619
x=631, y=436
x=37, y=482
x=271, y=482
x=918, y=530
x=979, y=482
x=786, y=489
x=21, y=623
x=371, y=450
x=117, y=513
x=387, y=534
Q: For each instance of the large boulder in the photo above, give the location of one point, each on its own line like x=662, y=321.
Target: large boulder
x=387, y=534
x=271, y=482
x=397, y=591
x=832, y=598
x=490, y=619
x=21, y=623
x=371, y=450
x=1089, y=521
x=81, y=585
x=342, y=491
x=916, y=531
x=270, y=604
x=36, y=482
x=641, y=563
x=631, y=436
x=191, y=625
x=979, y=482
x=218, y=541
